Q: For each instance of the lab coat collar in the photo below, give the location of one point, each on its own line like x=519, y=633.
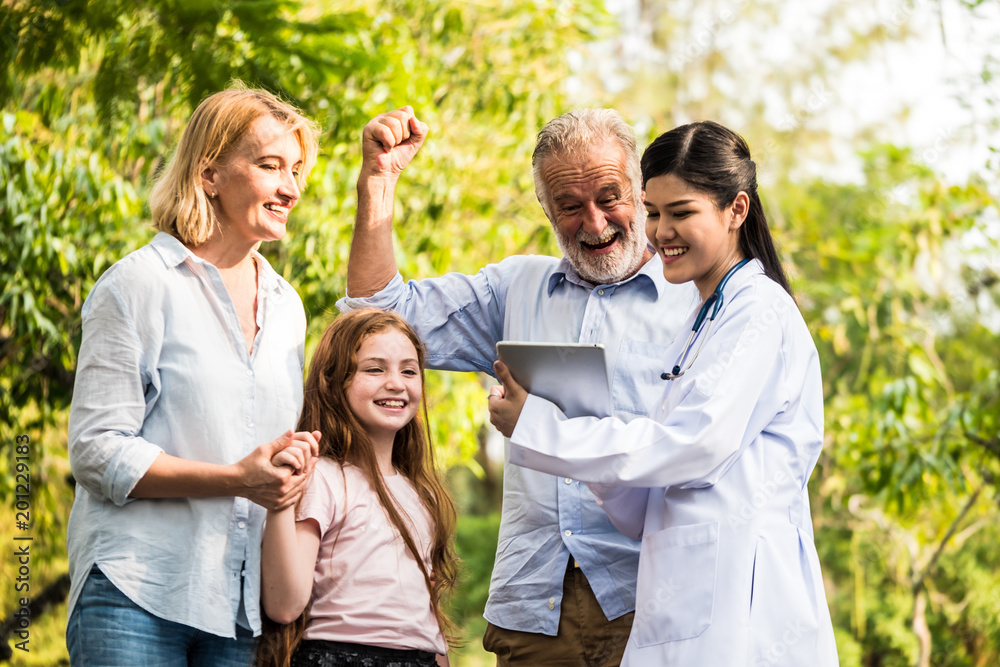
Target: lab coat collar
x=744, y=275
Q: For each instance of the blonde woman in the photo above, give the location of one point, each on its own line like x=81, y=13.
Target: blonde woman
x=188, y=384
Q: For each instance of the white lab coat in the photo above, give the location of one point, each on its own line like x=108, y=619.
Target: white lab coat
x=716, y=487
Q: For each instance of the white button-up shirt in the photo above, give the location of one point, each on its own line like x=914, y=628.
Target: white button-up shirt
x=164, y=367
x=716, y=487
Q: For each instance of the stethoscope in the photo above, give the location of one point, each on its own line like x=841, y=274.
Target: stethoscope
x=715, y=298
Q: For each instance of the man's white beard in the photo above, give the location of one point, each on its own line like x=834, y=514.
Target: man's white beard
x=612, y=267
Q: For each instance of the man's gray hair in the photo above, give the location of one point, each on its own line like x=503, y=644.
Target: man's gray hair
x=573, y=134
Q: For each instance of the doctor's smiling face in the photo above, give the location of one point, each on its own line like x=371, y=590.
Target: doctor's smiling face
x=694, y=238
x=704, y=213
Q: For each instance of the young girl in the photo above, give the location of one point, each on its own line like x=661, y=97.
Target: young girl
x=716, y=484
x=370, y=543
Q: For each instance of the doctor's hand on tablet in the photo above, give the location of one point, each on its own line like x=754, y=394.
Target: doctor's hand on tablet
x=505, y=400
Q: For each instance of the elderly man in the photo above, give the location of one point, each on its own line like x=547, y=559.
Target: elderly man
x=563, y=585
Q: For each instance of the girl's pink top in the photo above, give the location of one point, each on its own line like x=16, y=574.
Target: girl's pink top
x=367, y=588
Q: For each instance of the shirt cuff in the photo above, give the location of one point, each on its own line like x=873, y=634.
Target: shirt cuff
x=126, y=469
x=534, y=411
x=384, y=299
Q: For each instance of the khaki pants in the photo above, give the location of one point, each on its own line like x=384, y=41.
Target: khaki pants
x=586, y=638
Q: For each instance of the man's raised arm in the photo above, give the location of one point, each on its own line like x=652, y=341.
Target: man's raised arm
x=388, y=143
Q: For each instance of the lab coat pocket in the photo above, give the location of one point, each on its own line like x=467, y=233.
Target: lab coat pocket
x=637, y=386
x=677, y=571
x=784, y=607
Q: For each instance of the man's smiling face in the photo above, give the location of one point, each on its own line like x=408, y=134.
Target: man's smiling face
x=593, y=208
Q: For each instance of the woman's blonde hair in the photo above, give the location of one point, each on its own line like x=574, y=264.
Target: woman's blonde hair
x=178, y=202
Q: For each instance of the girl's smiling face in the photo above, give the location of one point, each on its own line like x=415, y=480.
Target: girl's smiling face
x=693, y=238
x=385, y=391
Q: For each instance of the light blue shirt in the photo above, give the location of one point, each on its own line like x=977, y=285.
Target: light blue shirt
x=545, y=518
x=164, y=367
x=716, y=486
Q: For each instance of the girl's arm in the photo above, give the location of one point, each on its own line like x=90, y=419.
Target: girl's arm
x=288, y=558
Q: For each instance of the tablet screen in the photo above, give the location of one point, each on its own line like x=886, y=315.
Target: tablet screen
x=571, y=375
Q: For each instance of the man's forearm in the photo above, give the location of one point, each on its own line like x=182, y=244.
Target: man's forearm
x=372, y=263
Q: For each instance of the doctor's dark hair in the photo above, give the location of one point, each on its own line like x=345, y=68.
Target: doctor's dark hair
x=716, y=161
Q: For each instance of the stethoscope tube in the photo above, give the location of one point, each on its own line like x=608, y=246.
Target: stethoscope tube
x=714, y=299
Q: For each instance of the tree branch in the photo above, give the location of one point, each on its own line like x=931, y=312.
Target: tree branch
x=991, y=445
x=952, y=529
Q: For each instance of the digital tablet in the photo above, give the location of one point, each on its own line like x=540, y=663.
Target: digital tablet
x=571, y=375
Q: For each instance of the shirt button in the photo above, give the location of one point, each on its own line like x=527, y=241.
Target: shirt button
x=568, y=480
x=552, y=603
x=249, y=372
x=567, y=532
x=242, y=524
x=249, y=423
x=600, y=292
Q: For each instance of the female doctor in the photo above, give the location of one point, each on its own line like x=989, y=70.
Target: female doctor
x=715, y=483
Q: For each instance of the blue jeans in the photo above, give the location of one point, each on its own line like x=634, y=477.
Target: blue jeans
x=107, y=629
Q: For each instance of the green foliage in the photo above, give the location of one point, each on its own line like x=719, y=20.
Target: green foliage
x=476, y=544
x=65, y=217
x=910, y=468
x=47, y=641
x=882, y=331
x=187, y=49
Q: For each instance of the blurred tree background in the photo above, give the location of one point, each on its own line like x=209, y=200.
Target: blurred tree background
x=895, y=263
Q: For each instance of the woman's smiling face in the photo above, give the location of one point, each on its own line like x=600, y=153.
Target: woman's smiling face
x=256, y=187
x=693, y=238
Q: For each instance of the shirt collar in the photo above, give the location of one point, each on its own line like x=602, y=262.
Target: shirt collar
x=170, y=249
x=174, y=253
x=648, y=279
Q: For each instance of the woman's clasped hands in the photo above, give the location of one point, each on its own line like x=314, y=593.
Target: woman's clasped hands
x=275, y=474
